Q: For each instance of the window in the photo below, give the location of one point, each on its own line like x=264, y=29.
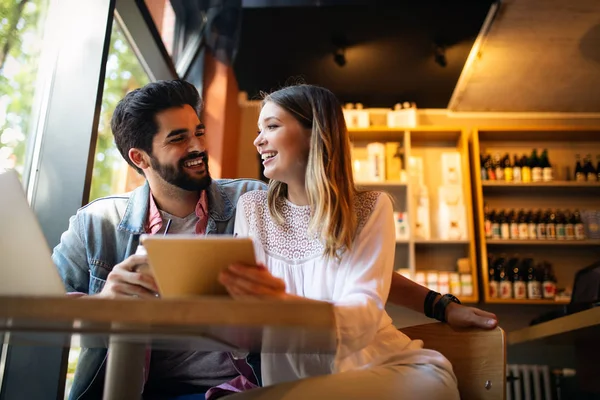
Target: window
x=164, y=19
x=21, y=32
x=124, y=73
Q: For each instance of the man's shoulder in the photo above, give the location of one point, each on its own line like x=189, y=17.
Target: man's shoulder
x=245, y=185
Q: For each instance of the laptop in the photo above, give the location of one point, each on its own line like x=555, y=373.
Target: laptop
x=26, y=266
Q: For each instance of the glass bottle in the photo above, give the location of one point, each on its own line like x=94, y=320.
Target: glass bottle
x=569, y=225
x=523, y=225
x=579, y=173
x=548, y=282
x=508, y=168
x=504, y=226
x=517, y=168
x=536, y=169
x=534, y=287
x=590, y=172
x=532, y=225
x=505, y=285
x=514, y=225
x=493, y=284
x=498, y=167
x=482, y=161
x=525, y=169
x=551, y=225
x=518, y=279
x=579, y=229
x=561, y=233
x=487, y=221
x=547, y=173
x=542, y=219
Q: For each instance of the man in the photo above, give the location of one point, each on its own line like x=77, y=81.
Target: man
x=158, y=132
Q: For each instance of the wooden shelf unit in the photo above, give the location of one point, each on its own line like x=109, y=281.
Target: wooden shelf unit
x=429, y=143
x=563, y=143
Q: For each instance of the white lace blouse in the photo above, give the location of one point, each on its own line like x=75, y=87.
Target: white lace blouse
x=357, y=285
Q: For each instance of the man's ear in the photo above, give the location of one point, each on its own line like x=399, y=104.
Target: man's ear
x=139, y=158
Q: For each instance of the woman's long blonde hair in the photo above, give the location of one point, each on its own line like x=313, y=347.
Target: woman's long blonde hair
x=329, y=182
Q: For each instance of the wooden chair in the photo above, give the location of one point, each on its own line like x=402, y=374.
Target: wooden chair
x=477, y=356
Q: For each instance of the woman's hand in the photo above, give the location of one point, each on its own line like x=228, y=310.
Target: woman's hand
x=252, y=280
x=459, y=316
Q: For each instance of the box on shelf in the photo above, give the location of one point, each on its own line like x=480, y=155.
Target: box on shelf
x=420, y=278
x=415, y=171
x=422, y=223
x=591, y=222
x=376, y=156
x=356, y=116
x=455, y=287
x=452, y=220
x=451, y=169
x=402, y=227
x=394, y=156
x=402, y=118
x=466, y=285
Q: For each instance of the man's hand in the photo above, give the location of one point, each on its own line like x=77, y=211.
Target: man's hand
x=254, y=281
x=459, y=316
x=131, y=277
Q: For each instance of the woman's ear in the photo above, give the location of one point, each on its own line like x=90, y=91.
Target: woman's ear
x=139, y=158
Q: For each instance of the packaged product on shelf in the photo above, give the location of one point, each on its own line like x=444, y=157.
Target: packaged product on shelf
x=548, y=281
x=376, y=156
x=394, y=161
x=356, y=116
x=402, y=117
x=591, y=221
x=463, y=265
x=455, y=287
x=579, y=228
x=422, y=224
x=415, y=171
x=547, y=172
x=518, y=280
x=451, y=213
x=451, y=168
x=433, y=281
x=401, y=223
x=420, y=278
x=444, y=282
x=466, y=285
x=405, y=272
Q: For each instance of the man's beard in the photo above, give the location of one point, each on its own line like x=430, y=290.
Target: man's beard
x=177, y=176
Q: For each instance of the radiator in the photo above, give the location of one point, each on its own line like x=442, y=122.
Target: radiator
x=528, y=382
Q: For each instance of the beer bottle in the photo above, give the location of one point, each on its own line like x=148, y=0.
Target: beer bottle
x=536, y=170
x=541, y=225
x=570, y=225
x=493, y=284
x=579, y=230
x=547, y=174
x=525, y=169
x=508, y=168
x=519, y=285
x=551, y=225
x=534, y=287
x=590, y=172
x=579, y=173
x=514, y=225
x=505, y=283
x=482, y=167
x=504, y=226
x=548, y=282
x=532, y=225
x=523, y=225
x=487, y=221
x=498, y=167
x=489, y=167
x=598, y=168
x=495, y=218
x=517, y=168
x=561, y=233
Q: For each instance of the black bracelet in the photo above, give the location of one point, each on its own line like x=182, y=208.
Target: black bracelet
x=439, y=311
x=428, y=305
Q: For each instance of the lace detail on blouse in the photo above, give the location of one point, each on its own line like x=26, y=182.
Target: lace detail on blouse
x=292, y=240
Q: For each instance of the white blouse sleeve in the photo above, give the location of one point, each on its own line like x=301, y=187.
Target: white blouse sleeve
x=241, y=227
x=360, y=305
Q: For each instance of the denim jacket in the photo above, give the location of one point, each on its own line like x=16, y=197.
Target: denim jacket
x=106, y=232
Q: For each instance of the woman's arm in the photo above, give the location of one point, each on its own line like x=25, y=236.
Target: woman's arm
x=404, y=292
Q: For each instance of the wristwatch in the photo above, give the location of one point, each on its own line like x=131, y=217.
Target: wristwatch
x=439, y=310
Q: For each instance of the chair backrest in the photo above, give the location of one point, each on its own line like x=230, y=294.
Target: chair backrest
x=478, y=357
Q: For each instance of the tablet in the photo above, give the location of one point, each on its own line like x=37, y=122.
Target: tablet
x=189, y=265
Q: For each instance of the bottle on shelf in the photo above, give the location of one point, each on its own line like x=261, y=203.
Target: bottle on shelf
x=525, y=169
x=531, y=219
x=498, y=167
x=504, y=226
x=588, y=168
x=579, y=173
x=495, y=219
x=487, y=218
x=490, y=168
x=482, y=161
x=561, y=233
x=551, y=225
x=514, y=224
x=548, y=281
x=518, y=279
x=579, y=229
x=505, y=285
x=508, y=168
x=534, y=287
x=523, y=225
x=547, y=173
x=517, y=169
x=570, y=225
x=541, y=221
x=493, y=279
x=536, y=169
x=598, y=168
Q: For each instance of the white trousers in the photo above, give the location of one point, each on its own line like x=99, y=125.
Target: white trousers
x=411, y=381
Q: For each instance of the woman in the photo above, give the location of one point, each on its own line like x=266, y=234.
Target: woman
x=318, y=237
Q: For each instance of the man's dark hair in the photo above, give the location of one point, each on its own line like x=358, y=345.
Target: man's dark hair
x=134, y=124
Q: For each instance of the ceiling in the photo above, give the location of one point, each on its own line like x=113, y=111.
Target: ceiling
x=389, y=50
x=538, y=56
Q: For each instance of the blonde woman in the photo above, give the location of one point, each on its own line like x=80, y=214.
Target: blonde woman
x=318, y=237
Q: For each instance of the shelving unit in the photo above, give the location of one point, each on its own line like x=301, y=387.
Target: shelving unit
x=428, y=143
x=566, y=256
